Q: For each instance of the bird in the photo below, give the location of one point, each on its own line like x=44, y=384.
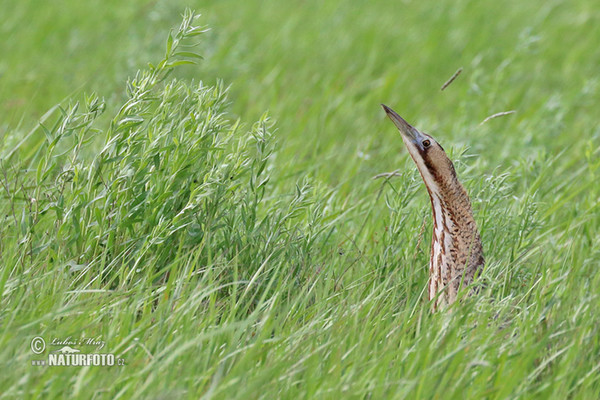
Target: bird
x=456, y=258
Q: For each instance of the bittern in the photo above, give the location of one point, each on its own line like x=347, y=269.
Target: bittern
x=456, y=251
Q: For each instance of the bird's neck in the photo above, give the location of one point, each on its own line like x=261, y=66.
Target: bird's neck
x=451, y=205
x=455, y=242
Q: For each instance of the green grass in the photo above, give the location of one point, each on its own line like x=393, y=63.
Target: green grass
x=228, y=258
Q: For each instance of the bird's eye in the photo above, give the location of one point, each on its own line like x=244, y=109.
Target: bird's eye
x=426, y=143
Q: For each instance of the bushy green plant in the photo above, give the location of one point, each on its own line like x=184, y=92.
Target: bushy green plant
x=174, y=174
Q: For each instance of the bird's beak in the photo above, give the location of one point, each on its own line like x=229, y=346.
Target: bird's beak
x=409, y=133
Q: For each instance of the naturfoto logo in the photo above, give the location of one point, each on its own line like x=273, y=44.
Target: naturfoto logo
x=67, y=355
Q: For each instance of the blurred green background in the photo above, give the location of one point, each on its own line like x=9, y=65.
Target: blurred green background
x=322, y=68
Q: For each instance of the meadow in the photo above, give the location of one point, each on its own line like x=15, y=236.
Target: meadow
x=198, y=194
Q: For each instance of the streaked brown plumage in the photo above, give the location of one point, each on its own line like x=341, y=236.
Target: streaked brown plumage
x=456, y=251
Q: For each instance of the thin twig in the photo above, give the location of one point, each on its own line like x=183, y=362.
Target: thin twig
x=387, y=175
x=452, y=78
x=500, y=114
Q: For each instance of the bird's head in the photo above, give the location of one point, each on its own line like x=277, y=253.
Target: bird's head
x=431, y=159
